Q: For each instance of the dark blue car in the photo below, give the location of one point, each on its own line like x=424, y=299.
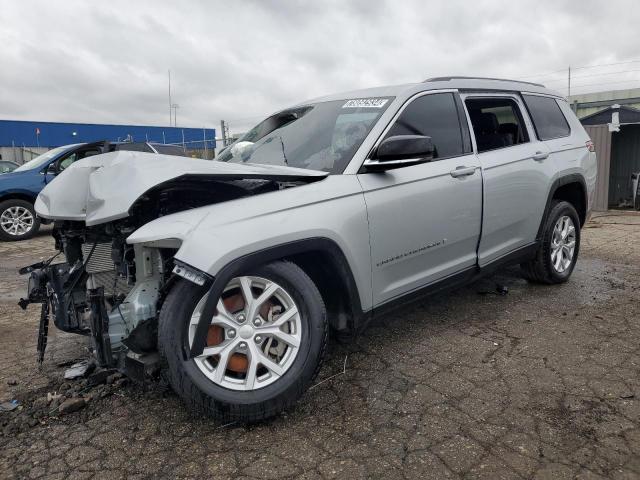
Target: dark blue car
x=19, y=189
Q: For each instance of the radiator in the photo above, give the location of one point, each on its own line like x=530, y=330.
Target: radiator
x=101, y=266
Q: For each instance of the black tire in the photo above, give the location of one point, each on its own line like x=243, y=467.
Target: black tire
x=6, y=237
x=540, y=269
x=202, y=395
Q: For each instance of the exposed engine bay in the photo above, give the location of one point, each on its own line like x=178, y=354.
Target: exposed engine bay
x=112, y=291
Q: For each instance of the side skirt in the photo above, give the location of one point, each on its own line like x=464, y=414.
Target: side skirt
x=456, y=280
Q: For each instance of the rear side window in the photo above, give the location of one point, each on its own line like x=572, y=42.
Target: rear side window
x=434, y=116
x=169, y=150
x=547, y=117
x=135, y=147
x=497, y=123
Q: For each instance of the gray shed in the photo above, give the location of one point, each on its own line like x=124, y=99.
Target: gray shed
x=615, y=131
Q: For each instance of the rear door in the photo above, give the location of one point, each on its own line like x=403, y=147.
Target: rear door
x=424, y=220
x=516, y=169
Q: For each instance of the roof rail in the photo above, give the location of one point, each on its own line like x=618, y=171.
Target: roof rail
x=445, y=79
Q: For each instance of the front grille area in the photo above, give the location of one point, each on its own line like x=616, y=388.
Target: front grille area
x=101, y=266
x=100, y=260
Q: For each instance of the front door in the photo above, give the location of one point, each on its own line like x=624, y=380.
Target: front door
x=424, y=220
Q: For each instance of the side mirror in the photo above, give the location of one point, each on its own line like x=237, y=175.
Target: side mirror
x=52, y=169
x=401, y=151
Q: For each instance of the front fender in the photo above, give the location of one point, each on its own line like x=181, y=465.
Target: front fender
x=212, y=237
x=168, y=229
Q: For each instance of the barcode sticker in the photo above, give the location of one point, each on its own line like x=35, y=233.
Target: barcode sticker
x=366, y=103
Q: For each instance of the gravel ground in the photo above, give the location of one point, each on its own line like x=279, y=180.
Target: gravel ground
x=543, y=382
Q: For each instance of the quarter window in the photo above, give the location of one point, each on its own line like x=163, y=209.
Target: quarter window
x=497, y=123
x=435, y=116
x=548, y=119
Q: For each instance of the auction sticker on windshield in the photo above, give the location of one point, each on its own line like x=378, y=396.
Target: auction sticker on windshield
x=366, y=103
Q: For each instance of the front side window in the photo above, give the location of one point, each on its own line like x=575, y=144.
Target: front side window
x=497, y=123
x=548, y=119
x=67, y=161
x=435, y=116
x=321, y=136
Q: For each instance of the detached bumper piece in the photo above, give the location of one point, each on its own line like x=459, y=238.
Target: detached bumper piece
x=100, y=327
x=43, y=331
x=60, y=289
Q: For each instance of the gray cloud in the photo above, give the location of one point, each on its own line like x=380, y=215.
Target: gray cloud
x=108, y=61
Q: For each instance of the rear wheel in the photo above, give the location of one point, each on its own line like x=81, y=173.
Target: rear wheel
x=264, y=345
x=558, y=252
x=18, y=220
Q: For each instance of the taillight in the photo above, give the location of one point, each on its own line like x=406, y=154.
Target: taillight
x=590, y=146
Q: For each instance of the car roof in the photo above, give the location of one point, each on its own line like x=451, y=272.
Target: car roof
x=439, y=83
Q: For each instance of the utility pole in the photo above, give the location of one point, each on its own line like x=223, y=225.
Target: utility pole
x=169, y=97
x=175, y=107
x=223, y=131
x=204, y=141
x=569, y=83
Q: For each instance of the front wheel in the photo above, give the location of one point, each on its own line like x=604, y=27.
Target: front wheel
x=18, y=220
x=264, y=345
x=558, y=251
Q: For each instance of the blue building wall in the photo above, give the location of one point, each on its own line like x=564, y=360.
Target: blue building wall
x=54, y=134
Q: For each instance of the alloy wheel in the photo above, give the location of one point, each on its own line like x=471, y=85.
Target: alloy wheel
x=16, y=221
x=563, y=244
x=254, y=336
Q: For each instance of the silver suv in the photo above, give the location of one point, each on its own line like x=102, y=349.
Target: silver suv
x=231, y=273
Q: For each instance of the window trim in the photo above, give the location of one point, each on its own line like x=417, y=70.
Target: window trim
x=393, y=119
x=516, y=98
x=535, y=129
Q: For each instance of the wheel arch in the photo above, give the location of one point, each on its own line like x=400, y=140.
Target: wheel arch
x=571, y=188
x=18, y=196
x=340, y=291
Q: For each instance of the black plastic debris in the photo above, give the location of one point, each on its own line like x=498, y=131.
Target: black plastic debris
x=501, y=290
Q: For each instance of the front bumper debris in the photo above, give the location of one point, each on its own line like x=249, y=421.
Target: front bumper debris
x=59, y=289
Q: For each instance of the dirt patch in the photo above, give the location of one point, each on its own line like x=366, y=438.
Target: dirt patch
x=543, y=382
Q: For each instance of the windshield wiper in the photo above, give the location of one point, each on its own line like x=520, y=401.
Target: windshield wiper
x=284, y=155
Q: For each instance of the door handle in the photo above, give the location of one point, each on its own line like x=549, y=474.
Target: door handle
x=539, y=156
x=462, y=171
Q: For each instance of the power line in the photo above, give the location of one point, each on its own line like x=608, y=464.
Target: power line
x=593, y=75
x=606, y=83
x=555, y=72
x=607, y=64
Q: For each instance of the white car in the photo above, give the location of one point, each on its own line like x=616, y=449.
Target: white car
x=323, y=215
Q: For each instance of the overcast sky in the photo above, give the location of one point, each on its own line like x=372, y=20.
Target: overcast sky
x=85, y=61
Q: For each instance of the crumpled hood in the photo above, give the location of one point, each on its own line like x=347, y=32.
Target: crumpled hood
x=103, y=188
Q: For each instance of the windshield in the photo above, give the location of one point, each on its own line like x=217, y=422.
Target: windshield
x=41, y=160
x=322, y=136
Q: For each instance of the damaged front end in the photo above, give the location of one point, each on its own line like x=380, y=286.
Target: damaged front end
x=106, y=290
x=111, y=291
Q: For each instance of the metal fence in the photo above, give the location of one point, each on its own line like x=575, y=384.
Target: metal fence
x=20, y=155
x=204, y=149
